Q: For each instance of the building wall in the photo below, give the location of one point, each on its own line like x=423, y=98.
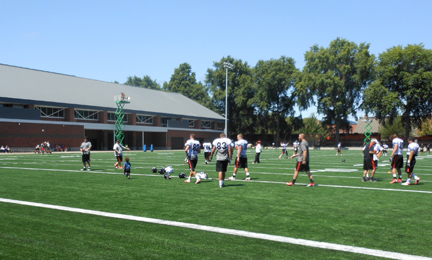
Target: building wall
x=29, y=134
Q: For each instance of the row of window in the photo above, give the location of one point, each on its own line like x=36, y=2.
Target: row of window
x=55, y=112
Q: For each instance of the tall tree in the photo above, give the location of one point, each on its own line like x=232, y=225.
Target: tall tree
x=241, y=112
x=336, y=76
x=404, y=85
x=275, y=97
x=183, y=81
x=145, y=82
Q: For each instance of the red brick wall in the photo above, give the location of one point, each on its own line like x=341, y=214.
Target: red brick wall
x=28, y=135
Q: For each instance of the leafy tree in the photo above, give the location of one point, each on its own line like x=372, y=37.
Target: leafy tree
x=145, y=82
x=390, y=128
x=241, y=112
x=133, y=81
x=336, y=76
x=404, y=85
x=183, y=81
x=314, y=128
x=275, y=89
x=426, y=128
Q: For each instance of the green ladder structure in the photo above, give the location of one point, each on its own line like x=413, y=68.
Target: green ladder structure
x=121, y=101
x=368, y=129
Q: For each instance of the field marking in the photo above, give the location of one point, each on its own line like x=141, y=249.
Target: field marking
x=252, y=181
x=227, y=231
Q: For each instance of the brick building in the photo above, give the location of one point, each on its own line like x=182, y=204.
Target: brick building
x=38, y=106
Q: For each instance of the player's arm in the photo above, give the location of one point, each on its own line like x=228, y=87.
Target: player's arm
x=304, y=156
x=394, y=150
x=411, y=156
x=230, y=152
x=212, y=152
x=239, y=152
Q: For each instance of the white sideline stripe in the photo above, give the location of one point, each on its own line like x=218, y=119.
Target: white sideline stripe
x=276, y=182
x=234, y=232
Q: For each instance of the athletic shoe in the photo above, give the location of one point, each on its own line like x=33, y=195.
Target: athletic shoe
x=394, y=181
x=405, y=183
x=364, y=179
x=187, y=181
x=247, y=179
x=290, y=183
x=373, y=179
x=231, y=178
x=198, y=181
x=120, y=167
x=417, y=181
x=89, y=169
x=399, y=180
x=83, y=169
x=311, y=185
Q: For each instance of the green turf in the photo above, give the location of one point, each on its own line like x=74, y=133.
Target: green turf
x=376, y=219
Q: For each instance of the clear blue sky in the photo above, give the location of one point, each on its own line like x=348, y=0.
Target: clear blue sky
x=111, y=40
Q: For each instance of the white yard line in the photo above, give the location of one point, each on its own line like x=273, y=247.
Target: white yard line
x=234, y=232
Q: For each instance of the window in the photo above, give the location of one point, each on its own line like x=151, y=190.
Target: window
x=51, y=112
x=86, y=114
x=164, y=121
x=143, y=119
x=206, y=124
x=220, y=126
x=190, y=121
x=113, y=117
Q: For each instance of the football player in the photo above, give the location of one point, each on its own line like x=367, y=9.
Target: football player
x=85, y=149
x=118, y=152
x=302, y=162
x=413, y=150
x=224, y=154
x=193, y=147
x=397, y=158
x=241, y=160
x=284, y=150
x=207, y=150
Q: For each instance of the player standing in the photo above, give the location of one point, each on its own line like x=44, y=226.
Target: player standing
x=284, y=150
x=302, y=162
x=296, y=147
x=224, y=154
x=397, y=155
x=339, y=147
x=241, y=160
x=193, y=147
x=207, y=150
x=368, y=162
x=118, y=152
x=413, y=150
x=85, y=149
x=257, y=152
x=376, y=156
x=384, y=150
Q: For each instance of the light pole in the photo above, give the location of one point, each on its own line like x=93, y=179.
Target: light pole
x=227, y=65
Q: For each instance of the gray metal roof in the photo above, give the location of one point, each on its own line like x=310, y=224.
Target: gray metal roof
x=22, y=85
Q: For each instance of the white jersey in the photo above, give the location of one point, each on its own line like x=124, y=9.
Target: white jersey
x=413, y=147
x=222, y=145
x=194, y=147
x=118, y=149
x=207, y=147
x=377, y=148
x=399, y=142
x=169, y=169
x=385, y=146
x=296, y=144
x=258, y=148
x=243, y=144
x=86, y=146
x=339, y=146
x=284, y=145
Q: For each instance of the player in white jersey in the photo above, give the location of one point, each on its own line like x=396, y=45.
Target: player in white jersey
x=241, y=160
x=118, y=152
x=376, y=156
x=207, y=150
x=258, y=150
x=413, y=150
x=193, y=147
x=397, y=155
x=339, y=151
x=296, y=145
x=284, y=150
x=224, y=154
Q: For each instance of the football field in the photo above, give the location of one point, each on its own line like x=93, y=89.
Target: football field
x=50, y=209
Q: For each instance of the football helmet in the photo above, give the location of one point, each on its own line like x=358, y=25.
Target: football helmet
x=154, y=170
x=182, y=175
x=167, y=176
x=162, y=171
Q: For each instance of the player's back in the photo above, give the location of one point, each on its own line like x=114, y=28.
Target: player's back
x=413, y=147
x=222, y=145
x=243, y=144
x=194, y=146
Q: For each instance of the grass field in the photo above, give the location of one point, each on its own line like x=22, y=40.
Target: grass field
x=340, y=210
